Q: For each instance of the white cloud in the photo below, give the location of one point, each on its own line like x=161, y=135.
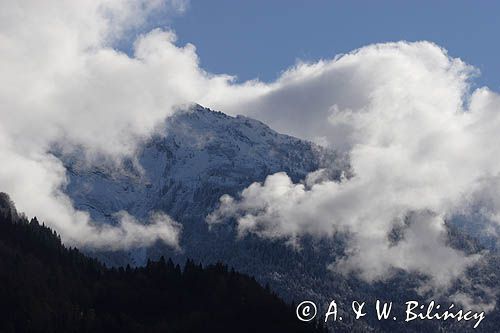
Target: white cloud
x=421, y=146
x=132, y=233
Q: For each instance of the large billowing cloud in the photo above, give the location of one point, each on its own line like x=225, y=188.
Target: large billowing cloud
x=420, y=142
x=422, y=146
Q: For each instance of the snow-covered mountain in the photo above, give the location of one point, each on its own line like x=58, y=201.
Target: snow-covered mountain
x=183, y=171
x=201, y=155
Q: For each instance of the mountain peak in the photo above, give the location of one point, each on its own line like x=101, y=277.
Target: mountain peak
x=201, y=155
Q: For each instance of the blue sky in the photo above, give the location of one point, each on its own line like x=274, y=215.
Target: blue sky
x=259, y=39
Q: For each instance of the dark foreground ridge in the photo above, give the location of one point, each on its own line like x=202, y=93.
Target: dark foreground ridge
x=46, y=287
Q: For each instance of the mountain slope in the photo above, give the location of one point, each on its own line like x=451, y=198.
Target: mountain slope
x=46, y=287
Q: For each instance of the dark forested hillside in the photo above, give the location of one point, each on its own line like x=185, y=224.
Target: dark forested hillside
x=46, y=287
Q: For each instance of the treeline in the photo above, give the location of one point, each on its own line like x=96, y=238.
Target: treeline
x=46, y=287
